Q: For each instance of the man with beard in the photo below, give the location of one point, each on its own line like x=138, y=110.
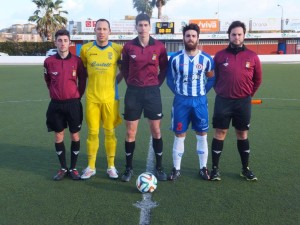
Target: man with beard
x=238, y=76
x=190, y=76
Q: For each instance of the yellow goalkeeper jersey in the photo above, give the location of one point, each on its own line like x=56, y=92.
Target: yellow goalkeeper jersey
x=101, y=64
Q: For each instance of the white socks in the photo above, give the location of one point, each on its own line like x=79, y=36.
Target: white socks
x=202, y=150
x=178, y=150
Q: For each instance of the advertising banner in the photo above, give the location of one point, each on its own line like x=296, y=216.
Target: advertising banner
x=266, y=24
x=224, y=24
x=207, y=25
x=291, y=25
x=118, y=26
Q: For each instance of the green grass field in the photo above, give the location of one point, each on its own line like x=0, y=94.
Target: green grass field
x=28, y=196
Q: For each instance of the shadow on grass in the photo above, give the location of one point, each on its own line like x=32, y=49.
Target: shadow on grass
x=43, y=162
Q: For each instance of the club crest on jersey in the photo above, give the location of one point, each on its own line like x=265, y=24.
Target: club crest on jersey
x=248, y=64
x=74, y=73
x=109, y=55
x=154, y=57
x=199, y=66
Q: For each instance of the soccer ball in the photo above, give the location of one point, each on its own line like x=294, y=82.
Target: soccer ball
x=146, y=182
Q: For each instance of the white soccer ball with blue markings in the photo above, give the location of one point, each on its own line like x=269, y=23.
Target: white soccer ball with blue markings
x=146, y=182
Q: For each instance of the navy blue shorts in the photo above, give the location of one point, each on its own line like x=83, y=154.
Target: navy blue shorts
x=139, y=99
x=61, y=114
x=237, y=110
x=188, y=110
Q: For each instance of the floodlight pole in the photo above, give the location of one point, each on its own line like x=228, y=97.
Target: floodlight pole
x=281, y=17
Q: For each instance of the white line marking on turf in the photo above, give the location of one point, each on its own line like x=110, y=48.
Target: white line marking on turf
x=23, y=101
x=147, y=204
x=165, y=97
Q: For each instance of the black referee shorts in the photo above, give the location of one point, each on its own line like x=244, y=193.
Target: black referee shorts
x=237, y=110
x=139, y=99
x=61, y=114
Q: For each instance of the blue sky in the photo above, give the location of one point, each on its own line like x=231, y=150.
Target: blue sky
x=18, y=11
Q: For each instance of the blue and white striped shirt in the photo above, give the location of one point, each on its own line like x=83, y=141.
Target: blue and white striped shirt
x=186, y=74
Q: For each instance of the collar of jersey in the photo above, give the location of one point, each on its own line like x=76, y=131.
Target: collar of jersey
x=58, y=56
x=137, y=42
x=235, y=50
x=102, y=48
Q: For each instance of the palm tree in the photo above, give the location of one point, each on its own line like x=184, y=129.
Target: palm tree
x=143, y=6
x=48, y=17
x=159, y=4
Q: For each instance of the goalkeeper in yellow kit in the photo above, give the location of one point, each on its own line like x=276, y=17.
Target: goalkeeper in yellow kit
x=101, y=58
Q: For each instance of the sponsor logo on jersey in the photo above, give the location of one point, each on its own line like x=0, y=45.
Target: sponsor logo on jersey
x=226, y=62
x=93, y=64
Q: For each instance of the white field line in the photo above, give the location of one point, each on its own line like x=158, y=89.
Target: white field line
x=147, y=204
x=166, y=97
x=24, y=101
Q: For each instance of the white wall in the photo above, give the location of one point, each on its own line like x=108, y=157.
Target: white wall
x=295, y=58
x=22, y=60
x=39, y=60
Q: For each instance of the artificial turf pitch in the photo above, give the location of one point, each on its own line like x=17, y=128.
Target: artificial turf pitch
x=29, y=196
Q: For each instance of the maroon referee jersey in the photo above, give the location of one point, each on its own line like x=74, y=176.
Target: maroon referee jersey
x=144, y=66
x=238, y=75
x=65, y=78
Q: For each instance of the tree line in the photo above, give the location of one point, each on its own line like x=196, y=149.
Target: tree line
x=49, y=15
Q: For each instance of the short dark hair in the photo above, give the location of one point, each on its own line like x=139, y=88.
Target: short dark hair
x=142, y=17
x=191, y=26
x=103, y=20
x=235, y=24
x=62, y=32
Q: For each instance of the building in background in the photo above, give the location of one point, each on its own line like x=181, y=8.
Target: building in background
x=264, y=35
x=20, y=33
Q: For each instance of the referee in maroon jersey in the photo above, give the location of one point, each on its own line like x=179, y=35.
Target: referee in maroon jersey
x=238, y=76
x=144, y=67
x=65, y=77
